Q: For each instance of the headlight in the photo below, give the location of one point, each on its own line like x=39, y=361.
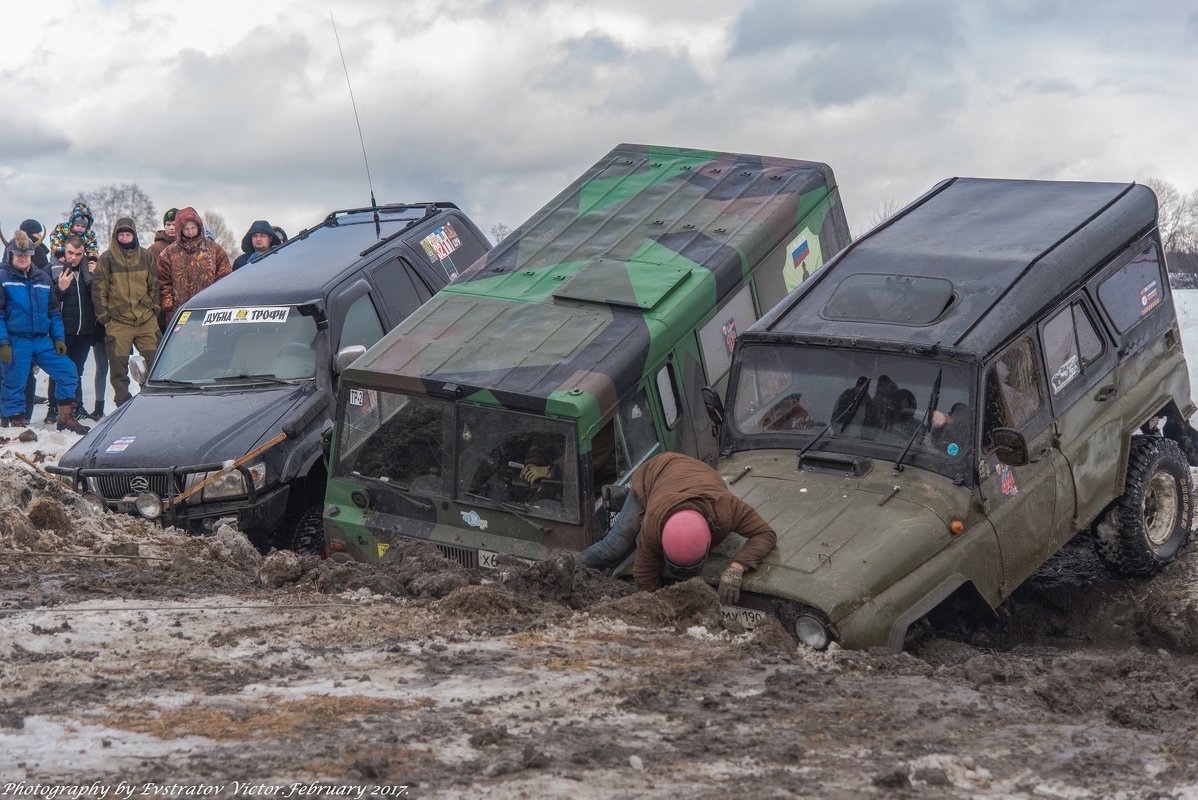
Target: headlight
x=232, y=483
x=812, y=631
x=149, y=505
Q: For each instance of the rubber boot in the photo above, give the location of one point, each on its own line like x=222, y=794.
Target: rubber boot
x=67, y=421
x=17, y=421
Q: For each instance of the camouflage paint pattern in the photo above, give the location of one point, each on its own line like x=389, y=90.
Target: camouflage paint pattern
x=581, y=306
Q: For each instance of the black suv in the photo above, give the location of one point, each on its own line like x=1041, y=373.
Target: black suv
x=257, y=355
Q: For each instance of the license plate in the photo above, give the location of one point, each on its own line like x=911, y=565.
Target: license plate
x=488, y=559
x=747, y=617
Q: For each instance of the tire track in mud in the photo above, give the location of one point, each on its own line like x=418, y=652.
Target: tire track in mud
x=216, y=664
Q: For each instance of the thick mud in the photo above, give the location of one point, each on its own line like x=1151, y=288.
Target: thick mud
x=129, y=653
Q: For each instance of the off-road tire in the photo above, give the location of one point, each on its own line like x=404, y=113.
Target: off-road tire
x=307, y=534
x=1144, y=529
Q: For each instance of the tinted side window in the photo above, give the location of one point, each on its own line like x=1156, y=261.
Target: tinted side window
x=1134, y=291
x=1014, y=390
x=394, y=280
x=362, y=324
x=1070, y=344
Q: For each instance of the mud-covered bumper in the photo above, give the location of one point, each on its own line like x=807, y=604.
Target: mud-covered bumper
x=119, y=490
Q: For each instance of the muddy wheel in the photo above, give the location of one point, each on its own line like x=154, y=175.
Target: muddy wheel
x=307, y=536
x=1145, y=529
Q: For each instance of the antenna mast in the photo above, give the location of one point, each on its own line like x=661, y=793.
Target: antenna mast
x=373, y=204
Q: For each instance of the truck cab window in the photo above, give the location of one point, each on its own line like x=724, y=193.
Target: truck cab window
x=636, y=436
x=1014, y=394
x=362, y=324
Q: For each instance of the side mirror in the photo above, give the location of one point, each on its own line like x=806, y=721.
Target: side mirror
x=1010, y=446
x=346, y=356
x=715, y=406
x=137, y=368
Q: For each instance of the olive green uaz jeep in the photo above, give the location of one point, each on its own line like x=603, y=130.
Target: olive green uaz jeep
x=952, y=398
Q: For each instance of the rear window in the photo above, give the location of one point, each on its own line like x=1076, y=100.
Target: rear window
x=1134, y=291
x=895, y=299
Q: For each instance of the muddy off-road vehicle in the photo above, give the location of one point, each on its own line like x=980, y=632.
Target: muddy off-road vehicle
x=490, y=419
x=257, y=354
x=953, y=397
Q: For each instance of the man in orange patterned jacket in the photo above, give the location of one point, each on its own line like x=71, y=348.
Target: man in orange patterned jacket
x=191, y=264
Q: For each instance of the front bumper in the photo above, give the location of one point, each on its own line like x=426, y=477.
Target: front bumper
x=120, y=487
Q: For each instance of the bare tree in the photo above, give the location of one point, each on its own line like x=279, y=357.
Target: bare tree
x=499, y=231
x=113, y=201
x=1177, y=217
x=889, y=208
x=215, y=222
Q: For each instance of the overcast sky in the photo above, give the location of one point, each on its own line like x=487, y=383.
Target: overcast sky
x=241, y=107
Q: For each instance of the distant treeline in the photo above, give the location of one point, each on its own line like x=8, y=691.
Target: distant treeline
x=1183, y=270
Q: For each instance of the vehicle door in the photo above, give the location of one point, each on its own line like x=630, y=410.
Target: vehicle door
x=1079, y=362
x=401, y=288
x=354, y=318
x=1134, y=294
x=1030, y=506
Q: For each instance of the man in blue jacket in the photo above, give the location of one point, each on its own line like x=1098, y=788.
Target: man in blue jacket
x=259, y=240
x=31, y=333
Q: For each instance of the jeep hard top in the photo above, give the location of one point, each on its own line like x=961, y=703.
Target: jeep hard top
x=257, y=354
x=953, y=397
x=488, y=421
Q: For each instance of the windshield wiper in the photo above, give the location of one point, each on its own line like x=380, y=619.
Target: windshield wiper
x=262, y=378
x=933, y=401
x=400, y=490
x=515, y=509
x=847, y=414
x=172, y=382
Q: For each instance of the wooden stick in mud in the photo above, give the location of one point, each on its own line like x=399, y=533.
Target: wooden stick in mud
x=38, y=469
x=257, y=451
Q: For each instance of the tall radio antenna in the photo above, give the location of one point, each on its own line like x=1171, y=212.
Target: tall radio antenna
x=373, y=204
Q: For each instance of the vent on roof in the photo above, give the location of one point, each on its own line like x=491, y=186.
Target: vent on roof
x=894, y=299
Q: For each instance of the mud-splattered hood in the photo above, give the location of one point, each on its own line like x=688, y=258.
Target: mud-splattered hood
x=842, y=537
x=177, y=430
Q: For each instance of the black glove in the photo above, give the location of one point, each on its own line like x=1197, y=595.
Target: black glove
x=6, y=353
x=60, y=347
x=730, y=584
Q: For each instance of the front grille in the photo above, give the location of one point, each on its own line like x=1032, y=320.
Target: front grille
x=463, y=555
x=115, y=487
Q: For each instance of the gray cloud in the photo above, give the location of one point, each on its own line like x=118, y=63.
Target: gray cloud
x=841, y=54
x=612, y=77
x=22, y=139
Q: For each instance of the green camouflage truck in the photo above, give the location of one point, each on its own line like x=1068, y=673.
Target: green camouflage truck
x=952, y=398
x=579, y=347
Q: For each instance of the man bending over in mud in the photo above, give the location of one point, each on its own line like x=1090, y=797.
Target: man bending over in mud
x=678, y=508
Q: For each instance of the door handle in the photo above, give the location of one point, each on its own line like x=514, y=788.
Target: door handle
x=1106, y=393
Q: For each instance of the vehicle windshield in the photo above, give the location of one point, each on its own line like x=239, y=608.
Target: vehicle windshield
x=789, y=393
x=522, y=462
x=211, y=346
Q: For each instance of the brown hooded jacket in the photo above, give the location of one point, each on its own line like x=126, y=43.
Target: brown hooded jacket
x=673, y=482
x=189, y=266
